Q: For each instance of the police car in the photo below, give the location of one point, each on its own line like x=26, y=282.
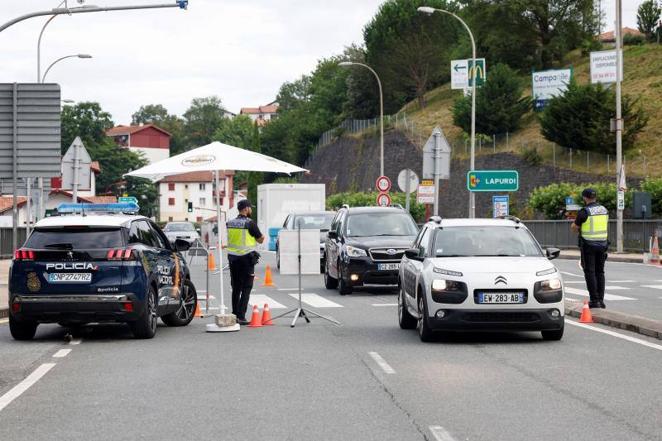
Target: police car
x=479, y=275
x=99, y=263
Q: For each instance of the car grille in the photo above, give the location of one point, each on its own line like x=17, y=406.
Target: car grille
x=382, y=255
x=502, y=317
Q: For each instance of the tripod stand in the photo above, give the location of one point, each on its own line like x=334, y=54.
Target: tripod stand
x=300, y=311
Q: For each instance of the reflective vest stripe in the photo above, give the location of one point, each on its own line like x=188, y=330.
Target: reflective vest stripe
x=596, y=227
x=240, y=242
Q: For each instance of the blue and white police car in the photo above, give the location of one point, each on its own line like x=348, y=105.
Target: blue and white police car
x=99, y=263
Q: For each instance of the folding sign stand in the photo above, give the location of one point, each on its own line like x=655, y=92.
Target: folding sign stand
x=300, y=311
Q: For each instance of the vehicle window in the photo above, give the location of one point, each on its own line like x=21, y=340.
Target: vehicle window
x=75, y=238
x=334, y=222
x=381, y=224
x=340, y=224
x=158, y=240
x=287, y=219
x=179, y=227
x=314, y=221
x=424, y=245
x=485, y=241
x=417, y=241
x=146, y=234
x=134, y=233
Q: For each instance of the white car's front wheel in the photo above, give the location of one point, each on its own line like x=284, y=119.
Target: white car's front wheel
x=406, y=320
x=423, y=327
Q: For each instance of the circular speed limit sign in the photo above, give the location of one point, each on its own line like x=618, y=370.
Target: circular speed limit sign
x=383, y=200
x=383, y=184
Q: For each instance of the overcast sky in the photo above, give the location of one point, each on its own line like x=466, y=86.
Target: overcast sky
x=240, y=50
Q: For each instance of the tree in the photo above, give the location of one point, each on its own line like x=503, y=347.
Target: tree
x=150, y=114
x=580, y=119
x=202, y=119
x=648, y=18
x=239, y=131
x=87, y=120
x=362, y=89
x=499, y=104
x=157, y=114
x=410, y=50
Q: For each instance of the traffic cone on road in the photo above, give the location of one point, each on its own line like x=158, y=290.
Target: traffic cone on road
x=586, y=316
x=211, y=262
x=256, y=320
x=267, y=277
x=655, y=251
x=266, y=316
x=198, y=312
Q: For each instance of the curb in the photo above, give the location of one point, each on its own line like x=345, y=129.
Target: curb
x=628, y=322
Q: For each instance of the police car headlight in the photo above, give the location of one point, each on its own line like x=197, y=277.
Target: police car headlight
x=550, y=285
x=355, y=252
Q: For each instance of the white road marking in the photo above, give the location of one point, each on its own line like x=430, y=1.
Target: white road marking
x=584, y=293
x=384, y=304
x=382, y=363
x=617, y=288
x=616, y=334
x=75, y=341
x=61, y=353
x=261, y=299
x=2, y=321
x=652, y=286
x=575, y=281
x=441, y=434
x=24, y=385
x=288, y=289
x=621, y=281
x=316, y=300
x=571, y=274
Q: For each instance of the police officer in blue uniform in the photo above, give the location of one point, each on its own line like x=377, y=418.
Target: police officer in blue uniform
x=592, y=224
x=243, y=237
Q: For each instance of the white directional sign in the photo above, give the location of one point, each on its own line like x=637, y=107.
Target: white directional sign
x=459, y=74
x=603, y=67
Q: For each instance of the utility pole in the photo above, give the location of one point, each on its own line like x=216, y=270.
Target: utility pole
x=619, y=129
x=437, y=167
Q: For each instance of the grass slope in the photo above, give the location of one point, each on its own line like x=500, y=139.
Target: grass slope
x=642, y=78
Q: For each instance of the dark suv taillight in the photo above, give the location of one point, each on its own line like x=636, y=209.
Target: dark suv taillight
x=23, y=254
x=120, y=254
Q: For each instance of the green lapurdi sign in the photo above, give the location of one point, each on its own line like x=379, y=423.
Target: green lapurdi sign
x=493, y=180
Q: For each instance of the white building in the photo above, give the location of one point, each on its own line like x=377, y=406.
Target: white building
x=175, y=193
x=261, y=115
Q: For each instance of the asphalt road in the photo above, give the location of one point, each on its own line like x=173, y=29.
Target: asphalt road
x=363, y=380
x=631, y=287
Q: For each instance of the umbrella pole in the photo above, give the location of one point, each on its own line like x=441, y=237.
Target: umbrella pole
x=220, y=249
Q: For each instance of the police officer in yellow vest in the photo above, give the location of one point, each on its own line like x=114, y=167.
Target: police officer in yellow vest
x=592, y=223
x=243, y=237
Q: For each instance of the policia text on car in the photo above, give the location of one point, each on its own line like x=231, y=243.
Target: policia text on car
x=592, y=223
x=243, y=237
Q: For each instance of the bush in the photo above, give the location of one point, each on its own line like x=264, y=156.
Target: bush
x=633, y=40
x=654, y=187
x=550, y=200
x=363, y=199
x=532, y=157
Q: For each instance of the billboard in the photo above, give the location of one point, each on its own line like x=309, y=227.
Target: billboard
x=603, y=67
x=549, y=83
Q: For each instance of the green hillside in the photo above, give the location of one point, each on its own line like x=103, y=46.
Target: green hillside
x=642, y=78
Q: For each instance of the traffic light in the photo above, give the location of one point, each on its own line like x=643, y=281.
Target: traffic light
x=190, y=207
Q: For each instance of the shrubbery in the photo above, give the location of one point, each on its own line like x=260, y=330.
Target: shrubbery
x=337, y=200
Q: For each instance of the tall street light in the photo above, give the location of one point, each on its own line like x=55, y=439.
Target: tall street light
x=63, y=58
x=429, y=11
x=381, y=110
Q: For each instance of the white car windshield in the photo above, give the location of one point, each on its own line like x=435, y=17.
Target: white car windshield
x=179, y=227
x=381, y=224
x=485, y=241
x=314, y=221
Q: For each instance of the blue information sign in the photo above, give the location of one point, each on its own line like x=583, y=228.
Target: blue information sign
x=500, y=205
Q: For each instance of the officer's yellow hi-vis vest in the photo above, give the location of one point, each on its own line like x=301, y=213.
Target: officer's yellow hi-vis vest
x=595, y=229
x=240, y=242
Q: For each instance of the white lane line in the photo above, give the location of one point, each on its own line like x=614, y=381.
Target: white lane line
x=617, y=288
x=384, y=304
x=584, y=293
x=61, y=353
x=75, y=341
x=2, y=321
x=652, y=286
x=316, y=300
x=382, y=363
x=617, y=335
x=288, y=289
x=571, y=274
x=574, y=281
x=24, y=385
x=441, y=434
x=621, y=281
x=261, y=299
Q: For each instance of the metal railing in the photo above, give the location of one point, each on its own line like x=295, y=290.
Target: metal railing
x=557, y=233
x=6, y=236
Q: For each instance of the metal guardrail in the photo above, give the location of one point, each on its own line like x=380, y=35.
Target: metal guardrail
x=6, y=250
x=557, y=233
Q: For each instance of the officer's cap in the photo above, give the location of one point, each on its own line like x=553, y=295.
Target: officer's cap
x=589, y=193
x=244, y=203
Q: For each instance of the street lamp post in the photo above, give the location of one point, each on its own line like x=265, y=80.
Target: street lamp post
x=63, y=58
x=619, y=130
x=429, y=10
x=381, y=111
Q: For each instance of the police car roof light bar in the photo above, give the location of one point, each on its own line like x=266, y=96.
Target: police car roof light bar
x=121, y=207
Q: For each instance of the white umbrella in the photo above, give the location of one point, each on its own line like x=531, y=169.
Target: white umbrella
x=215, y=157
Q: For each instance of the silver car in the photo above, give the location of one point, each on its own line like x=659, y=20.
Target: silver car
x=181, y=230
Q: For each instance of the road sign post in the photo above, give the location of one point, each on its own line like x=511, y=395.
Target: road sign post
x=492, y=180
x=408, y=182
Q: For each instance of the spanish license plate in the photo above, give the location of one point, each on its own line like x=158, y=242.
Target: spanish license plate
x=70, y=277
x=500, y=297
x=388, y=266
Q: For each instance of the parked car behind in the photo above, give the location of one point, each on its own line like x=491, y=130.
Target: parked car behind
x=314, y=220
x=181, y=230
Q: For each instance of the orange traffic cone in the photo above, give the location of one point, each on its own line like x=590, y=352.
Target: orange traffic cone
x=198, y=312
x=211, y=262
x=655, y=251
x=586, y=316
x=256, y=320
x=267, y=277
x=266, y=316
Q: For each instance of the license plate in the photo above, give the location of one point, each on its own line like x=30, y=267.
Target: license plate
x=500, y=297
x=70, y=277
x=388, y=266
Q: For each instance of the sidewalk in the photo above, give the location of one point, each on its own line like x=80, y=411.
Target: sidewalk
x=4, y=297
x=629, y=322
x=573, y=254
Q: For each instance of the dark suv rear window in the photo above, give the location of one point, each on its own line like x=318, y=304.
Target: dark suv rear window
x=75, y=238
